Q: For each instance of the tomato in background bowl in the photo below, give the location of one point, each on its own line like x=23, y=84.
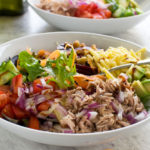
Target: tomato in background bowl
x=92, y=10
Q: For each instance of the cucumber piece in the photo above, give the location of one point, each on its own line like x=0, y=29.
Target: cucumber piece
x=6, y=77
x=128, y=12
x=138, y=11
x=124, y=3
x=146, y=101
x=138, y=72
x=3, y=67
x=119, y=12
x=146, y=84
x=147, y=74
x=133, y=4
x=11, y=67
x=129, y=78
x=139, y=89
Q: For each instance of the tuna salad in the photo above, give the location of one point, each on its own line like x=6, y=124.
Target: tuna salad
x=63, y=90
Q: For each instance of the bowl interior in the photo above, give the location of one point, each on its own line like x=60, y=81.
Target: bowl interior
x=49, y=41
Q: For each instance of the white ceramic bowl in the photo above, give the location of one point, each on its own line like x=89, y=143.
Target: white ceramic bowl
x=48, y=41
x=105, y=26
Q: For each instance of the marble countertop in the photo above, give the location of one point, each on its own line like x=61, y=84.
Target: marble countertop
x=30, y=23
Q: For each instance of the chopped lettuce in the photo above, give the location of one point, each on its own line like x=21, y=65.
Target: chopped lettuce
x=31, y=65
x=62, y=70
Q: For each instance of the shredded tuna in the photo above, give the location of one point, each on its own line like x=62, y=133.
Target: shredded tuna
x=111, y=113
x=61, y=7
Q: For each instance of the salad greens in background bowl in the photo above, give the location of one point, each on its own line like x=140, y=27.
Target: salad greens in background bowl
x=116, y=16
x=29, y=74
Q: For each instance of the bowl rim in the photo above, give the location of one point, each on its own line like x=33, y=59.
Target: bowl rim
x=86, y=19
x=73, y=134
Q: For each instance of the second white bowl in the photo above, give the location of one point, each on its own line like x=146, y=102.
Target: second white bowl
x=104, y=26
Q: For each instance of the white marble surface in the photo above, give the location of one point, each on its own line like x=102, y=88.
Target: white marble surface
x=30, y=23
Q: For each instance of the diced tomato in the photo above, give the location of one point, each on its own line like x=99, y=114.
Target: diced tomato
x=107, y=13
x=92, y=10
x=4, y=99
x=36, y=84
x=13, y=98
x=43, y=106
x=19, y=113
x=7, y=110
x=5, y=88
x=34, y=123
x=17, y=82
x=38, y=87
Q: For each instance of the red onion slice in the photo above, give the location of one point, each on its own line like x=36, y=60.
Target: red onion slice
x=52, y=116
x=130, y=118
x=26, y=90
x=135, y=13
x=76, y=3
x=39, y=86
x=114, y=107
x=30, y=105
x=31, y=88
x=94, y=105
x=68, y=131
x=141, y=116
x=120, y=97
x=120, y=112
x=60, y=111
x=92, y=115
x=39, y=99
x=82, y=113
x=21, y=99
x=20, y=91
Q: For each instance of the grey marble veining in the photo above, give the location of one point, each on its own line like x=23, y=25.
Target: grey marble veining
x=30, y=23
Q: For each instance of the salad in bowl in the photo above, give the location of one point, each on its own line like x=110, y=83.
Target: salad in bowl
x=63, y=91
x=96, y=9
x=98, y=16
x=60, y=90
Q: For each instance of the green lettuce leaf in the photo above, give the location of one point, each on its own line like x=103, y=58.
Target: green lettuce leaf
x=62, y=70
x=31, y=65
